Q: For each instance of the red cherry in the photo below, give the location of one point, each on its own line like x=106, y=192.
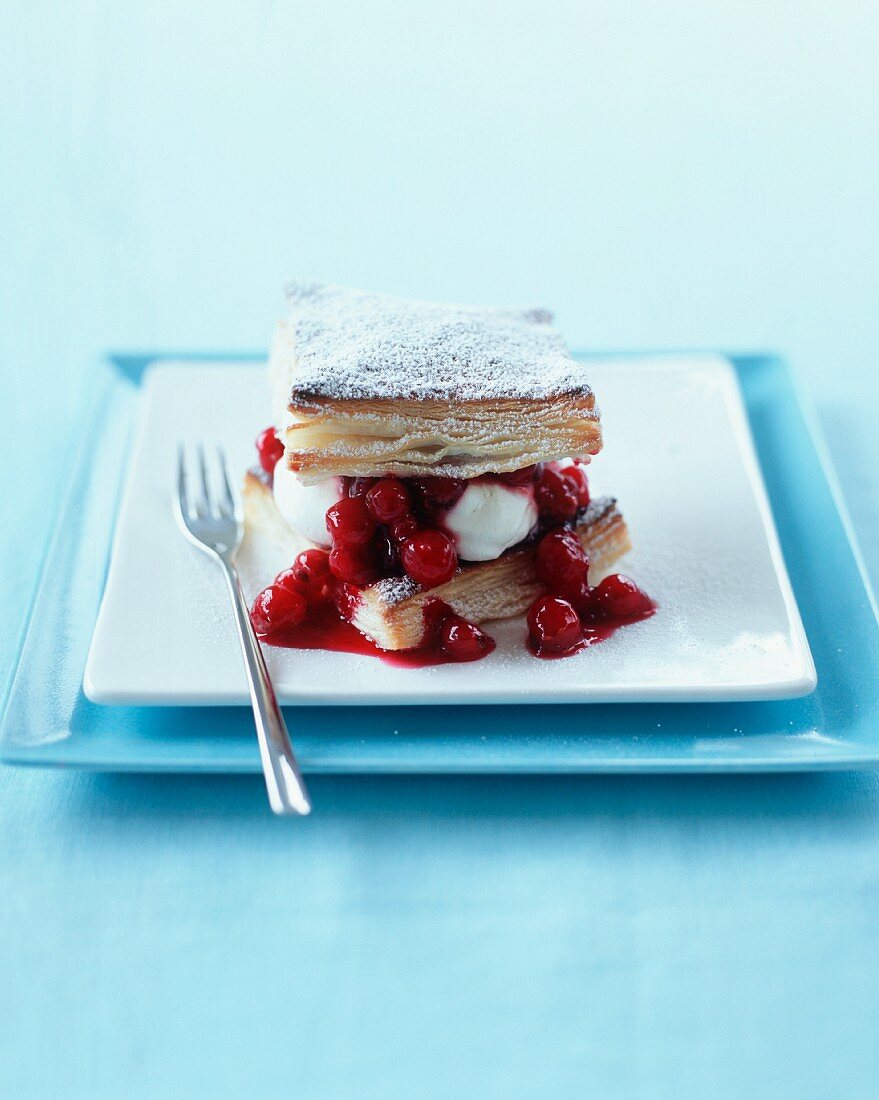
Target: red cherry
x=388, y=500
x=275, y=607
x=309, y=574
x=429, y=557
x=575, y=476
x=581, y=597
x=388, y=557
x=435, y=613
x=349, y=522
x=403, y=529
x=313, y=564
x=620, y=597
x=347, y=600
x=288, y=579
x=439, y=492
x=556, y=498
x=269, y=448
x=359, y=486
x=353, y=564
x=520, y=477
x=553, y=624
x=560, y=560
x=462, y=640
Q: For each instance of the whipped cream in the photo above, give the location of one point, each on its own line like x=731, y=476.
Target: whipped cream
x=490, y=517
x=304, y=507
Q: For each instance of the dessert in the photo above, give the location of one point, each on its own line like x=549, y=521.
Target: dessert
x=435, y=457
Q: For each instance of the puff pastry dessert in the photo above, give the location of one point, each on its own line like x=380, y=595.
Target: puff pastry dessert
x=434, y=458
x=368, y=385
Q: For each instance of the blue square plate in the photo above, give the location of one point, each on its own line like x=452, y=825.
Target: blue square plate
x=48, y=720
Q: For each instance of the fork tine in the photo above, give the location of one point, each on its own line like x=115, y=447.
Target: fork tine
x=182, y=495
x=205, y=507
x=227, y=508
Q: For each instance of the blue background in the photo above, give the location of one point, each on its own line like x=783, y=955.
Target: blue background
x=676, y=175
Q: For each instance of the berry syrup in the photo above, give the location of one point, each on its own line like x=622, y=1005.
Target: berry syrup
x=325, y=627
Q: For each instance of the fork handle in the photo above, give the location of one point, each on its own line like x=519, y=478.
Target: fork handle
x=284, y=782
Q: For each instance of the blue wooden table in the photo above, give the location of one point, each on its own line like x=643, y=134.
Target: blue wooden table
x=662, y=175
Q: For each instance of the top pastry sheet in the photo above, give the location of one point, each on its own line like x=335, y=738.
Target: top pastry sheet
x=357, y=345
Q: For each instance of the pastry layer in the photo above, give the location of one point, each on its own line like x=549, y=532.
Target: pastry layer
x=355, y=344
x=366, y=384
x=391, y=611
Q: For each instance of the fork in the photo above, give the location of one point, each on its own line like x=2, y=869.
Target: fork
x=214, y=523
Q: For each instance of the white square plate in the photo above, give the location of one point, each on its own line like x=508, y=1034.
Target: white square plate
x=679, y=457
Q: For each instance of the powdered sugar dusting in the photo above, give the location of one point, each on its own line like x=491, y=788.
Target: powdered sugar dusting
x=394, y=590
x=354, y=344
